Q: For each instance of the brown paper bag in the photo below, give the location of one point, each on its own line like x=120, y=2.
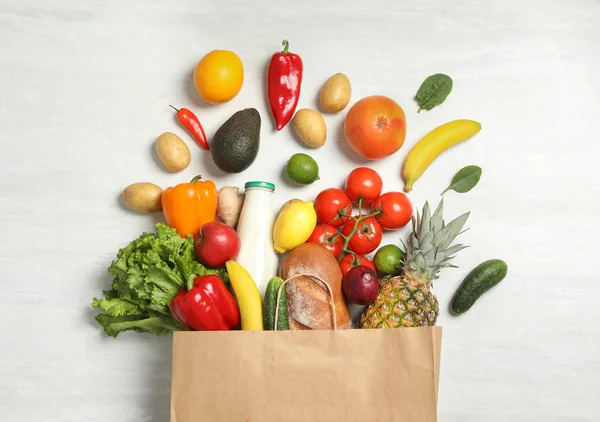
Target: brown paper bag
x=330, y=376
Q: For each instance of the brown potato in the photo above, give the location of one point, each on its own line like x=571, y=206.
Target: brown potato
x=335, y=93
x=173, y=152
x=143, y=197
x=310, y=127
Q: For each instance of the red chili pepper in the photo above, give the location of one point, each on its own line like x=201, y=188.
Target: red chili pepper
x=206, y=305
x=192, y=124
x=284, y=80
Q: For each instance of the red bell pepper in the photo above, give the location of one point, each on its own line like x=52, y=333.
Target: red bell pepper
x=284, y=80
x=206, y=305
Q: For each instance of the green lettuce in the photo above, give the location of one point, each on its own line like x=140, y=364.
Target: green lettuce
x=148, y=273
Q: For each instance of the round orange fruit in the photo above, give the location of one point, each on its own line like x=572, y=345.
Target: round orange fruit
x=219, y=76
x=375, y=127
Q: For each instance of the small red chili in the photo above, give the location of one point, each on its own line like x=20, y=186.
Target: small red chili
x=192, y=124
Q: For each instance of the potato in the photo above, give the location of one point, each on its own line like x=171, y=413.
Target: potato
x=335, y=93
x=310, y=127
x=173, y=152
x=144, y=197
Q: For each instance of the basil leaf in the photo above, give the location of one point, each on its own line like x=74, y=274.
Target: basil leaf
x=433, y=91
x=465, y=180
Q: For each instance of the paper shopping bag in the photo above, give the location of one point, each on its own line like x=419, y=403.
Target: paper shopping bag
x=346, y=375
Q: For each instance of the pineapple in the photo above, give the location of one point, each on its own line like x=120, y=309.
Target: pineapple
x=408, y=300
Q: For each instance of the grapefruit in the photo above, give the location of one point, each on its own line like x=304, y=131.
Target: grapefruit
x=375, y=127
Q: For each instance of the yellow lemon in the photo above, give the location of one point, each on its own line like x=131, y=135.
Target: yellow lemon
x=219, y=76
x=293, y=227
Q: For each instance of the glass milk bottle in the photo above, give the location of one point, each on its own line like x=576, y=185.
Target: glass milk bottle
x=255, y=229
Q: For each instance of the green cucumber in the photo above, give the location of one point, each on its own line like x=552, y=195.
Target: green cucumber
x=483, y=277
x=269, y=306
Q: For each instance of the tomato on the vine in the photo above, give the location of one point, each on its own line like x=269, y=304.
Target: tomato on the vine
x=396, y=210
x=350, y=261
x=367, y=236
x=333, y=207
x=329, y=237
x=364, y=183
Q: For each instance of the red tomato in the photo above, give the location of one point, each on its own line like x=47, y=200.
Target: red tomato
x=364, y=183
x=396, y=210
x=333, y=207
x=326, y=235
x=367, y=236
x=350, y=261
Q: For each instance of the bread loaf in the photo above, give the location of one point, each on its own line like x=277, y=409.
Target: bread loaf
x=308, y=300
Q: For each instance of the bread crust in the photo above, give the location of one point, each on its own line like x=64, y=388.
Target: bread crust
x=308, y=300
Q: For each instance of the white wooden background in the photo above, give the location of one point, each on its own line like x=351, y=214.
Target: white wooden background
x=84, y=91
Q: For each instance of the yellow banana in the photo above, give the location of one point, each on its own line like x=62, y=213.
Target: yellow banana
x=433, y=144
x=247, y=295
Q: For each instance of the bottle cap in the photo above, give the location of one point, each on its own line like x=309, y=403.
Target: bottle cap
x=258, y=184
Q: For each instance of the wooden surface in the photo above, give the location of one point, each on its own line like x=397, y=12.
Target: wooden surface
x=84, y=92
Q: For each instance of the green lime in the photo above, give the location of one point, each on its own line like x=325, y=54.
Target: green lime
x=388, y=260
x=302, y=169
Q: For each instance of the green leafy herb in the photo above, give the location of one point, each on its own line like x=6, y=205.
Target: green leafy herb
x=465, y=179
x=148, y=273
x=433, y=91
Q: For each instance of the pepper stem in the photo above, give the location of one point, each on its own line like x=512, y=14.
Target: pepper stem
x=190, y=281
x=195, y=179
x=286, y=46
x=174, y=108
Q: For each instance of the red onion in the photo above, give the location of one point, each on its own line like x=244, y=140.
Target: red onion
x=361, y=285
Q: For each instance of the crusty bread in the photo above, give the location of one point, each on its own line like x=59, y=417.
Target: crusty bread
x=308, y=300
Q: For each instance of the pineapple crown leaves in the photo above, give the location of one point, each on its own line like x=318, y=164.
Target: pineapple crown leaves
x=431, y=239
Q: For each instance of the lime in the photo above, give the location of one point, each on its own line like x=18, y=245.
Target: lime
x=388, y=260
x=302, y=169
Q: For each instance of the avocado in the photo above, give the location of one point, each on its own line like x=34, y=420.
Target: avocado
x=235, y=145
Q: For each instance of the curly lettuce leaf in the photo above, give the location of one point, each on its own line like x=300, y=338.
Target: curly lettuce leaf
x=158, y=325
x=118, y=306
x=148, y=273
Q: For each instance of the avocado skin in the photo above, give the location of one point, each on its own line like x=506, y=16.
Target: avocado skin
x=235, y=145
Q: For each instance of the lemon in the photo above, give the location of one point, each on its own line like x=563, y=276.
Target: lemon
x=219, y=76
x=294, y=225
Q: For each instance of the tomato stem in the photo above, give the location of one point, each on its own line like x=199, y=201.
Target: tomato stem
x=331, y=238
x=357, y=221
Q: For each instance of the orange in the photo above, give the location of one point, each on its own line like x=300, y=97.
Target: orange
x=375, y=127
x=219, y=76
